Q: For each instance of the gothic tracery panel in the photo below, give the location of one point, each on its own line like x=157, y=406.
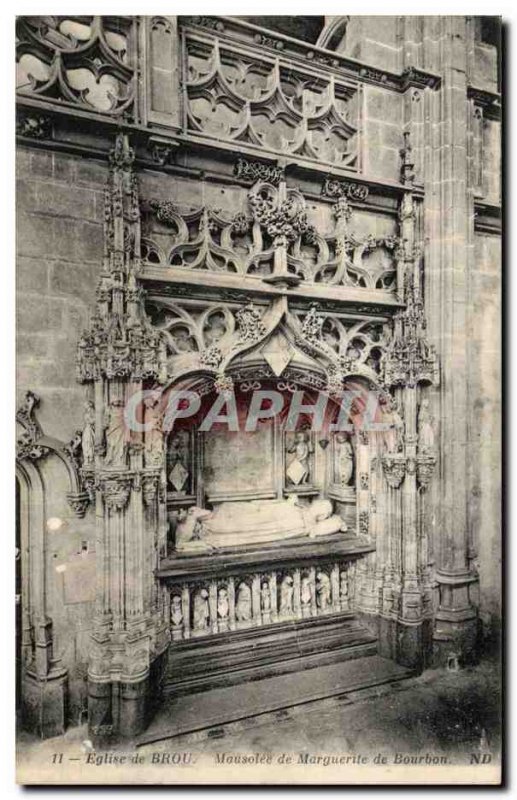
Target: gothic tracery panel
x=85, y=61
x=236, y=96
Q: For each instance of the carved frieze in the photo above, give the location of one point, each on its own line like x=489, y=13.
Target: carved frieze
x=340, y=188
x=254, y=171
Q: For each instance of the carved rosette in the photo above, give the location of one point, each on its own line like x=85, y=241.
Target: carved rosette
x=424, y=470
x=223, y=384
x=394, y=465
x=115, y=491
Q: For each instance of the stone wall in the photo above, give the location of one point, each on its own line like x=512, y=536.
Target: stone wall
x=59, y=244
x=485, y=425
x=59, y=247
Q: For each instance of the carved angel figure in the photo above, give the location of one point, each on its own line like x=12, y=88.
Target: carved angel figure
x=305, y=591
x=323, y=591
x=176, y=612
x=343, y=590
x=344, y=459
x=223, y=606
x=286, y=595
x=265, y=595
x=243, y=606
x=298, y=470
x=201, y=610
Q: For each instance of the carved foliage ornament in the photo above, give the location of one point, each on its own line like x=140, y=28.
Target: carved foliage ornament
x=394, y=465
x=34, y=126
x=115, y=491
x=28, y=445
x=254, y=171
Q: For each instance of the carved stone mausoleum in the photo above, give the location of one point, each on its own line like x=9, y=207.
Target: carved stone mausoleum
x=224, y=205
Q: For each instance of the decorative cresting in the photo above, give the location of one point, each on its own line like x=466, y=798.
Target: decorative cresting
x=80, y=61
x=237, y=95
x=115, y=356
x=274, y=239
x=207, y=607
x=120, y=342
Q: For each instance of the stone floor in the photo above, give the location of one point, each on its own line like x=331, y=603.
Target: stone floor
x=439, y=712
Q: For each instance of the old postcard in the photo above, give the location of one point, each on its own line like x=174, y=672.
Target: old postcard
x=258, y=420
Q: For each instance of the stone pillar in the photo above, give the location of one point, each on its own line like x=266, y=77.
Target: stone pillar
x=449, y=214
x=130, y=631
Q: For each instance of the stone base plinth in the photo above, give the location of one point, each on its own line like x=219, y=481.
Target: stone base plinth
x=44, y=708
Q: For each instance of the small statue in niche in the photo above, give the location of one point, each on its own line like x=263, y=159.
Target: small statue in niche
x=343, y=591
x=323, y=591
x=298, y=470
x=183, y=340
x=286, y=595
x=243, y=605
x=88, y=435
x=116, y=435
x=305, y=591
x=178, y=458
x=215, y=329
x=394, y=436
x=176, y=612
x=425, y=430
x=344, y=459
x=223, y=606
x=201, y=610
x=265, y=598
x=153, y=418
